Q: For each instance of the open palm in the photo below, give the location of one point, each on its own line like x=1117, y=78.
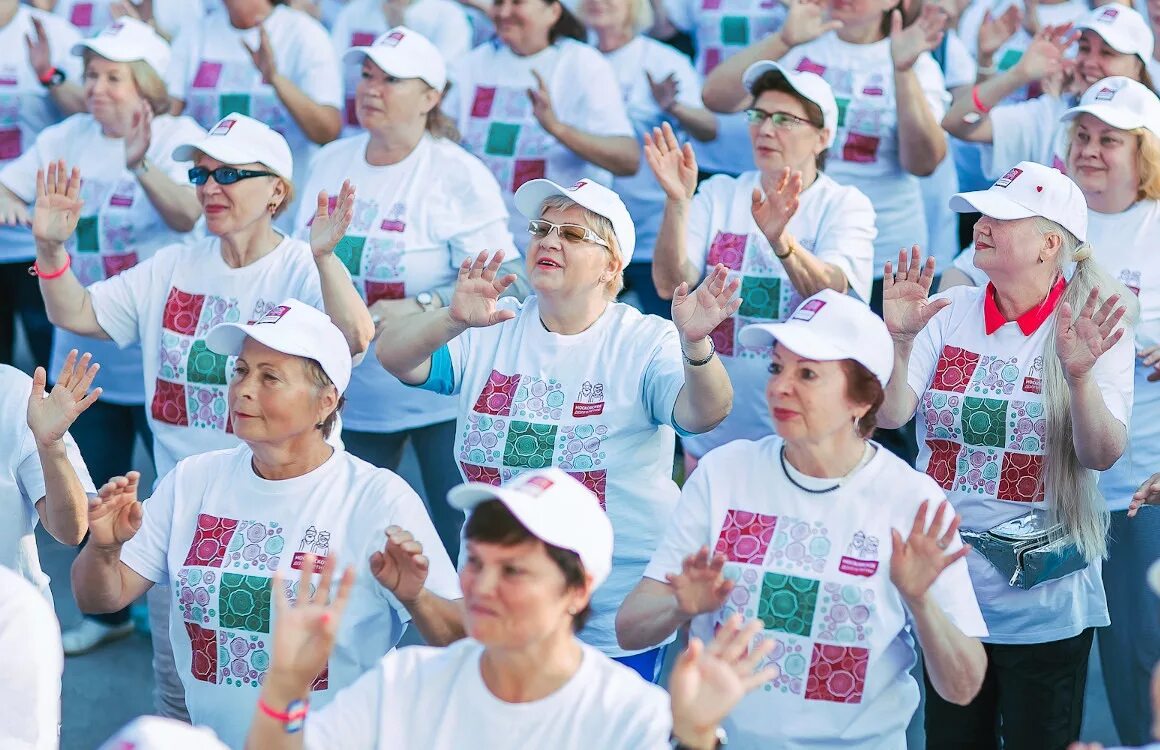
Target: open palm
x=58, y=203
x=907, y=44
x=115, y=513
x=696, y=315
x=305, y=630
x=477, y=291
x=700, y=586
x=50, y=417
x=1081, y=340
x=674, y=166
x=329, y=226
x=773, y=210
x=401, y=567
x=918, y=561
x=905, y=304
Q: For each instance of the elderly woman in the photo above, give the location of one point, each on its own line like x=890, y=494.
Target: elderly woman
x=537, y=102
x=785, y=229
x=221, y=524
x=537, y=549
x=658, y=85
x=1022, y=388
x=794, y=529
x=267, y=60
x=137, y=200
x=570, y=378
x=425, y=206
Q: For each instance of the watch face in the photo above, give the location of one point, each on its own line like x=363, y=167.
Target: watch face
x=424, y=298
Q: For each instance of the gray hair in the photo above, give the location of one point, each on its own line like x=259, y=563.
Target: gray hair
x=321, y=380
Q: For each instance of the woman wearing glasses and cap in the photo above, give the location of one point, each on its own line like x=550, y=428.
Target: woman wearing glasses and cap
x=221, y=524
x=1022, y=389
x=786, y=229
x=572, y=379
x=425, y=205
x=830, y=541
x=537, y=548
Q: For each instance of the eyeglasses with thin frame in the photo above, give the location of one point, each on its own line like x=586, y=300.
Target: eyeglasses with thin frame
x=224, y=175
x=780, y=120
x=539, y=229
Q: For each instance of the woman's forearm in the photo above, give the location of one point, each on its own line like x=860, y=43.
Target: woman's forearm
x=724, y=90
x=707, y=396
x=176, y=202
x=956, y=663
x=922, y=144
x=619, y=154
x=65, y=512
x=989, y=92
x=670, y=265
x=68, y=97
x=648, y=616
x=68, y=304
x=1099, y=437
x=900, y=402
x=344, y=305
x=321, y=123
x=405, y=347
x=98, y=582
x=698, y=122
x=266, y=732
x=439, y=620
x=808, y=273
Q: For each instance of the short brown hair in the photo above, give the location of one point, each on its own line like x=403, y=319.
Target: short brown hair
x=862, y=387
x=321, y=380
x=774, y=80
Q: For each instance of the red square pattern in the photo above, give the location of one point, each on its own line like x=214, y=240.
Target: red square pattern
x=1019, y=479
x=954, y=370
x=484, y=98
x=351, y=111
x=745, y=536
x=169, y=404
x=497, y=396
x=207, y=76
x=377, y=290
x=944, y=456
x=526, y=170
x=361, y=38
x=476, y=473
x=210, y=540
x=182, y=311
x=837, y=673
x=712, y=60
x=10, y=143
x=114, y=264
x=595, y=481
x=860, y=149
x=723, y=337
x=82, y=15
x=727, y=249
x=204, y=650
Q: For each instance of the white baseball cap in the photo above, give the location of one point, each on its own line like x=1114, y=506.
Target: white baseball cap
x=404, y=53
x=292, y=327
x=157, y=733
x=808, y=85
x=238, y=139
x=593, y=196
x=1120, y=102
x=129, y=40
x=1027, y=190
x=556, y=508
x=1122, y=28
x=830, y=326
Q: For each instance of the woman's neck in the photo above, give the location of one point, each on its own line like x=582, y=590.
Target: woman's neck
x=390, y=145
x=8, y=10
x=250, y=20
x=529, y=48
x=249, y=245
x=292, y=458
x=568, y=317
x=531, y=673
x=1017, y=298
x=1112, y=201
x=611, y=39
x=865, y=32
x=834, y=457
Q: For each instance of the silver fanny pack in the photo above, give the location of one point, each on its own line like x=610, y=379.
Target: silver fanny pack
x=1027, y=550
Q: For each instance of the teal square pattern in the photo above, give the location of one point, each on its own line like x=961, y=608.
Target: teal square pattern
x=350, y=251
x=244, y=602
x=787, y=603
x=205, y=366
x=501, y=139
x=984, y=422
x=530, y=445
x=760, y=297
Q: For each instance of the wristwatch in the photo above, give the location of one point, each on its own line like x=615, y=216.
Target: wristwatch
x=426, y=301
x=722, y=741
x=55, y=78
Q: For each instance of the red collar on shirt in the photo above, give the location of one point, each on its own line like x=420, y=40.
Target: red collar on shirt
x=1029, y=321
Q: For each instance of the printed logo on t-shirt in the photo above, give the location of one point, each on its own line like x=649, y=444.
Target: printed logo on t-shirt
x=1033, y=383
x=313, y=542
x=1131, y=279
x=590, y=401
x=806, y=65
x=1012, y=175
x=861, y=558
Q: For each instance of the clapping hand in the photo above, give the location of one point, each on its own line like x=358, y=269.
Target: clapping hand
x=138, y=135
x=905, y=306
x=542, y=108
x=58, y=203
x=401, y=567
x=907, y=44
x=263, y=57
x=918, y=561
x=1081, y=340
x=674, y=166
x=39, y=51
x=1150, y=357
x=805, y=22
x=1046, y=53
x=329, y=226
x=714, y=300
x=1148, y=494
x=700, y=587
x=305, y=631
x=664, y=91
x=773, y=210
x=477, y=291
x=995, y=31
x=51, y=416
x=115, y=514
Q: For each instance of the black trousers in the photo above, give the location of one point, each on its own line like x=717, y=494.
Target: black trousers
x=1031, y=699
x=20, y=295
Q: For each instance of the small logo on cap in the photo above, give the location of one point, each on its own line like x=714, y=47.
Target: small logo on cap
x=223, y=127
x=113, y=28
x=393, y=38
x=1007, y=179
x=1109, y=15
x=273, y=315
x=536, y=486
x=1105, y=94
x=578, y=185
x=808, y=310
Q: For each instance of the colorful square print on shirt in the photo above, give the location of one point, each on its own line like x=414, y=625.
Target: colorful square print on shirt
x=725, y=26
x=503, y=132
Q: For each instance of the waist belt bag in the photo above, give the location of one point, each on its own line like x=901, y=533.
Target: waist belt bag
x=1027, y=550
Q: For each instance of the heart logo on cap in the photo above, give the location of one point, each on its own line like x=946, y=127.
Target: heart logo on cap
x=1039, y=188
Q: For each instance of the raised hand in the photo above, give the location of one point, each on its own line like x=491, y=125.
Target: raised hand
x=1150, y=357
x=263, y=57
x=773, y=210
x=142, y=12
x=697, y=314
x=1046, y=52
x=13, y=212
x=993, y=32
x=805, y=22
x=905, y=306
x=700, y=587
x=328, y=227
x=918, y=561
x=664, y=91
x=542, y=108
x=115, y=513
x=39, y=51
x=49, y=418
x=58, y=203
x=1081, y=340
x=138, y=135
x=674, y=166
x=1148, y=494
x=304, y=632
x=477, y=291
x=709, y=681
x=401, y=567
x=906, y=45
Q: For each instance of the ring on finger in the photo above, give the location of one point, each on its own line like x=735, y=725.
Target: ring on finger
x=942, y=545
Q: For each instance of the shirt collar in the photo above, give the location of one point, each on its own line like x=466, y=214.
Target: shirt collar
x=1030, y=321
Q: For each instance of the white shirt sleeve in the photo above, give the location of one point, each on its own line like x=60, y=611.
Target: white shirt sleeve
x=961, y=68
x=181, y=60
x=475, y=217
x=846, y=239
x=588, y=81
x=30, y=653
x=689, y=527
x=30, y=472
x=680, y=14
x=924, y=355
x=351, y=719
x=1114, y=374
x=664, y=376
x=148, y=551
x=697, y=225
x=19, y=175
x=410, y=514
x=119, y=301
x=1020, y=132
x=318, y=72
x=934, y=87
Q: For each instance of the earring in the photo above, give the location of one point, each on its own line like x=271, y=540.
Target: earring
x=318, y=426
x=273, y=207
x=572, y=611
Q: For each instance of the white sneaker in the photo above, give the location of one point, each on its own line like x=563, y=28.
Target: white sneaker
x=91, y=635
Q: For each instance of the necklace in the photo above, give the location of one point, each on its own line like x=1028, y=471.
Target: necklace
x=789, y=476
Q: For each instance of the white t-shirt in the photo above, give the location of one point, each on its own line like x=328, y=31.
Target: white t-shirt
x=633, y=63
x=22, y=479
x=436, y=699
x=443, y=22
x=119, y=225
x=598, y=404
x=833, y=221
x=720, y=30
x=414, y=223
x=90, y=16
x=1028, y=131
x=865, y=153
x=26, y=107
x=982, y=437
x=489, y=102
x=815, y=569
x=31, y=657
x=214, y=75
x=168, y=304
x=215, y=533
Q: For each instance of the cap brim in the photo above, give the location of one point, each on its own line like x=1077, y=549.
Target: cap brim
x=95, y=46
x=986, y=202
x=531, y=196
x=467, y=496
x=760, y=68
x=793, y=336
x=229, y=338
x=222, y=152
x=1117, y=117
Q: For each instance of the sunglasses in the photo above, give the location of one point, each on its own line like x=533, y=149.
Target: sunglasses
x=224, y=175
x=780, y=120
x=539, y=229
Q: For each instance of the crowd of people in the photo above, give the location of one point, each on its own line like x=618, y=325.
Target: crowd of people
x=749, y=352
